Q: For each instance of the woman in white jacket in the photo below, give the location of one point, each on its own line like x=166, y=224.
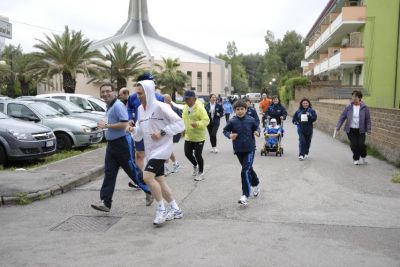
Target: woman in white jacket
x=157, y=124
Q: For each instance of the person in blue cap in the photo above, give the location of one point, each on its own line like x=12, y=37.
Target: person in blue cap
x=132, y=106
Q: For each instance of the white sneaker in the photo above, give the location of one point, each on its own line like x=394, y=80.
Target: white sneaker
x=306, y=156
x=167, y=171
x=199, y=177
x=364, y=161
x=175, y=167
x=174, y=214
x=160, y=218
x=211, y=150
x=215, y=150
x=195, y=171
x=243, y=201
x=256, y=191
x=301, y=157
x=356, y=162
x=101, y=206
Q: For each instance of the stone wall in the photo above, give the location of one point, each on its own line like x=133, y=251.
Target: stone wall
x=385, y=135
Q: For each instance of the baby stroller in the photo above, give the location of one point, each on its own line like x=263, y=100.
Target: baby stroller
x=273, y=136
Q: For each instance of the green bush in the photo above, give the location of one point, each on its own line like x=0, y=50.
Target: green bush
x=286, y=92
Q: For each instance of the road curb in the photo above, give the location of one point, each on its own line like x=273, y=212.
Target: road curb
x=81, y=179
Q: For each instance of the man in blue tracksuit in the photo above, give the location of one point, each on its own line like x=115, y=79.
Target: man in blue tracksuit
x=241, y=129
x=119, y=151
x=132, y=107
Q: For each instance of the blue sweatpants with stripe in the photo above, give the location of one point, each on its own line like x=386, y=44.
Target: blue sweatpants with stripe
x=249, y=176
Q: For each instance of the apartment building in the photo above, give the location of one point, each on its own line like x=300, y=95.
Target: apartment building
x=356, y=42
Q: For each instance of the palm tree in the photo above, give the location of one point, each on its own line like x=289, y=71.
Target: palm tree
x=67, y=54
x=170, y=78
x=125, y=63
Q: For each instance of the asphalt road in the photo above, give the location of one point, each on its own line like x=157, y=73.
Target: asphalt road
x=320, y=212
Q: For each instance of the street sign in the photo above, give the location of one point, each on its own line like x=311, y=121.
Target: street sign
x=5, y=29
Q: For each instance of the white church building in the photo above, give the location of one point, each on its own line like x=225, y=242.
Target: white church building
x=207, y=74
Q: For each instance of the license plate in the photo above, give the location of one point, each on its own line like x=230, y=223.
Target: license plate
x=99, y=134
x=49, y=143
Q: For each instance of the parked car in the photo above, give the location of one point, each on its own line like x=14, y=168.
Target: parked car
x=21, y=140
x=70, y=132
x=67, y=108
x=86, y=102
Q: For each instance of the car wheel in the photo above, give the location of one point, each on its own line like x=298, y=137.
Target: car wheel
x=3, y=157
x=63, y=141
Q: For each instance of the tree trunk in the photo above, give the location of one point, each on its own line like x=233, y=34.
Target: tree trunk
x=69, y=83
x=121, y=82
x=24, y=88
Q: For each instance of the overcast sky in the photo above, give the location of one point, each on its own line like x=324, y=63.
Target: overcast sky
x=205, y=25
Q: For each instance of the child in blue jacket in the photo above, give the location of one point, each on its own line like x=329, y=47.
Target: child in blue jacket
x=241, y=129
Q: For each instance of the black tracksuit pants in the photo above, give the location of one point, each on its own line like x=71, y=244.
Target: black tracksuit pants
x=357, y=143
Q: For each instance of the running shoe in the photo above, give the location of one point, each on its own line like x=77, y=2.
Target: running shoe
x=101, y=206
x=160, y=217
x=174, y=214
x=243, y=201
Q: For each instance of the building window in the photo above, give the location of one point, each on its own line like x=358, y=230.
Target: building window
x=351, y=79
x=209, y=82
x=189, y=83
x=199, y=81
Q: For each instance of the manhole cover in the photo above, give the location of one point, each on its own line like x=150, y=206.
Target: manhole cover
x=81, y=223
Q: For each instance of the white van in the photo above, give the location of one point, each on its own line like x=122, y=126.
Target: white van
x=86, y=102
x=254, y=97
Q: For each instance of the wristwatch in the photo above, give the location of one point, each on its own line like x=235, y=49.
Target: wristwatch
x=162, y=132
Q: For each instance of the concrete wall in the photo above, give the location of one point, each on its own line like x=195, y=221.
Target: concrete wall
x=385, y=135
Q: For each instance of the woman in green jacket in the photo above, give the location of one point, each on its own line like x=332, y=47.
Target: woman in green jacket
x=196, y=120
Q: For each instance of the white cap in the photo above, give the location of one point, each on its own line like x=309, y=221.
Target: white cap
x=273, y=120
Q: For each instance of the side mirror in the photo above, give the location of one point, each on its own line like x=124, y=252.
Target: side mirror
x=88, y=108
x=33, y=118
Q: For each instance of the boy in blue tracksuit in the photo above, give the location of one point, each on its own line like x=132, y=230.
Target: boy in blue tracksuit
x=241, y=129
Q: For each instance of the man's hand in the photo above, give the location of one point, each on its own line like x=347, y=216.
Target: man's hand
x=130, y=129
x=257, y=133
x=101, y=124
x=233, y=136
x=156, y=135
x=131, y=123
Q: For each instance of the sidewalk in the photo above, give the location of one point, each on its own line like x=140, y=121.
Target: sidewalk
x=52, y=179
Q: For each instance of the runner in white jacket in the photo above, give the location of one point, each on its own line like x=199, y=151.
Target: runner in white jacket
x=157, y=124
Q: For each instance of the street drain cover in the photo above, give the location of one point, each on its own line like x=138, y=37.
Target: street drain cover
x=81, y=223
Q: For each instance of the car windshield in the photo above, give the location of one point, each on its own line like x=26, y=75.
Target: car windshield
x=3, y=116
x=45, y=110
x=99, y=105
x=71, y=107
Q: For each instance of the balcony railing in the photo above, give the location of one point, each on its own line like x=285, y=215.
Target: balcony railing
x=346, y=56
x=349, y=15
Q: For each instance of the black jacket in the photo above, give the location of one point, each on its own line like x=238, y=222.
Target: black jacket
x=219, y=112
x=245, y=128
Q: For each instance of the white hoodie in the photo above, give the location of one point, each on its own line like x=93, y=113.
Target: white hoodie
x=157, y=116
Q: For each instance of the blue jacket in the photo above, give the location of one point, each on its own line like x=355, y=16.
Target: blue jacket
x=245, y=128
x=228, y=109
x=304, y=126
x=134, y=104
x=219, y=112
x=275, y=111
x=253, y=113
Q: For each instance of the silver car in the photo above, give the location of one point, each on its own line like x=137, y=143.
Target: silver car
x=21, y=140
x=70, y=132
